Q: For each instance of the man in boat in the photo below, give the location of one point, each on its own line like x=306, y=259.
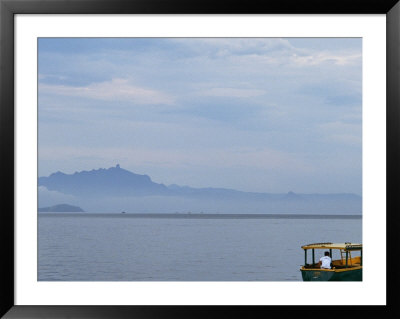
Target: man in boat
x=325, y=261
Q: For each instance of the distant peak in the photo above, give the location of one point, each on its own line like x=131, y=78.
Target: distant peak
x=57, y=173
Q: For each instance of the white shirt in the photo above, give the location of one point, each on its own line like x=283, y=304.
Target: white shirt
x=325, y=262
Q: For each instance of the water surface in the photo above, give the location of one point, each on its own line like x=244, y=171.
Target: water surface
x=123, y=247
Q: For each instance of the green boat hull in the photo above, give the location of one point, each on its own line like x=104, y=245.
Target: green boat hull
x=320, y=275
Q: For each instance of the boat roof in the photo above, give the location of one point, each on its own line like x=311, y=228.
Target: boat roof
x=344, y=246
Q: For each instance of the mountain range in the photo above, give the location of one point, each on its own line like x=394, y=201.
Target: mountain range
x=114, y=181
x=117, y=188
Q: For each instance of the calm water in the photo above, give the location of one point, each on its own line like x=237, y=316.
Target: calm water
x=77, y=247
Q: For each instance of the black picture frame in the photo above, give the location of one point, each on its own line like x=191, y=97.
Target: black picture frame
x=9, y=8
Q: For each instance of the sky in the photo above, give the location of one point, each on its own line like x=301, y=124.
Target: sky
x=254, y=114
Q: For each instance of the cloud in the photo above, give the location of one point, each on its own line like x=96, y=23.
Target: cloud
x=233, y=92
x=273, y=96
x=317, y=58
x=343, y=133
x=115, y=90
x=221, y=47
x=269, y=51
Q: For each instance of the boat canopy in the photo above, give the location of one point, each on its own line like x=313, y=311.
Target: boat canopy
x=342, y=246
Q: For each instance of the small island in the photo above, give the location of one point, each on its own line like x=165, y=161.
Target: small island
x=61, y=208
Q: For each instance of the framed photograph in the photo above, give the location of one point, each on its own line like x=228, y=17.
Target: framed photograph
x=161, y=154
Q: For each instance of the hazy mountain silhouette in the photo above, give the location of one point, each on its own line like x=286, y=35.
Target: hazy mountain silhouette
x=114, y=181
x=116, y=189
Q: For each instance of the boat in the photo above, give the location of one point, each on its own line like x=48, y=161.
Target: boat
x=347, y=268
